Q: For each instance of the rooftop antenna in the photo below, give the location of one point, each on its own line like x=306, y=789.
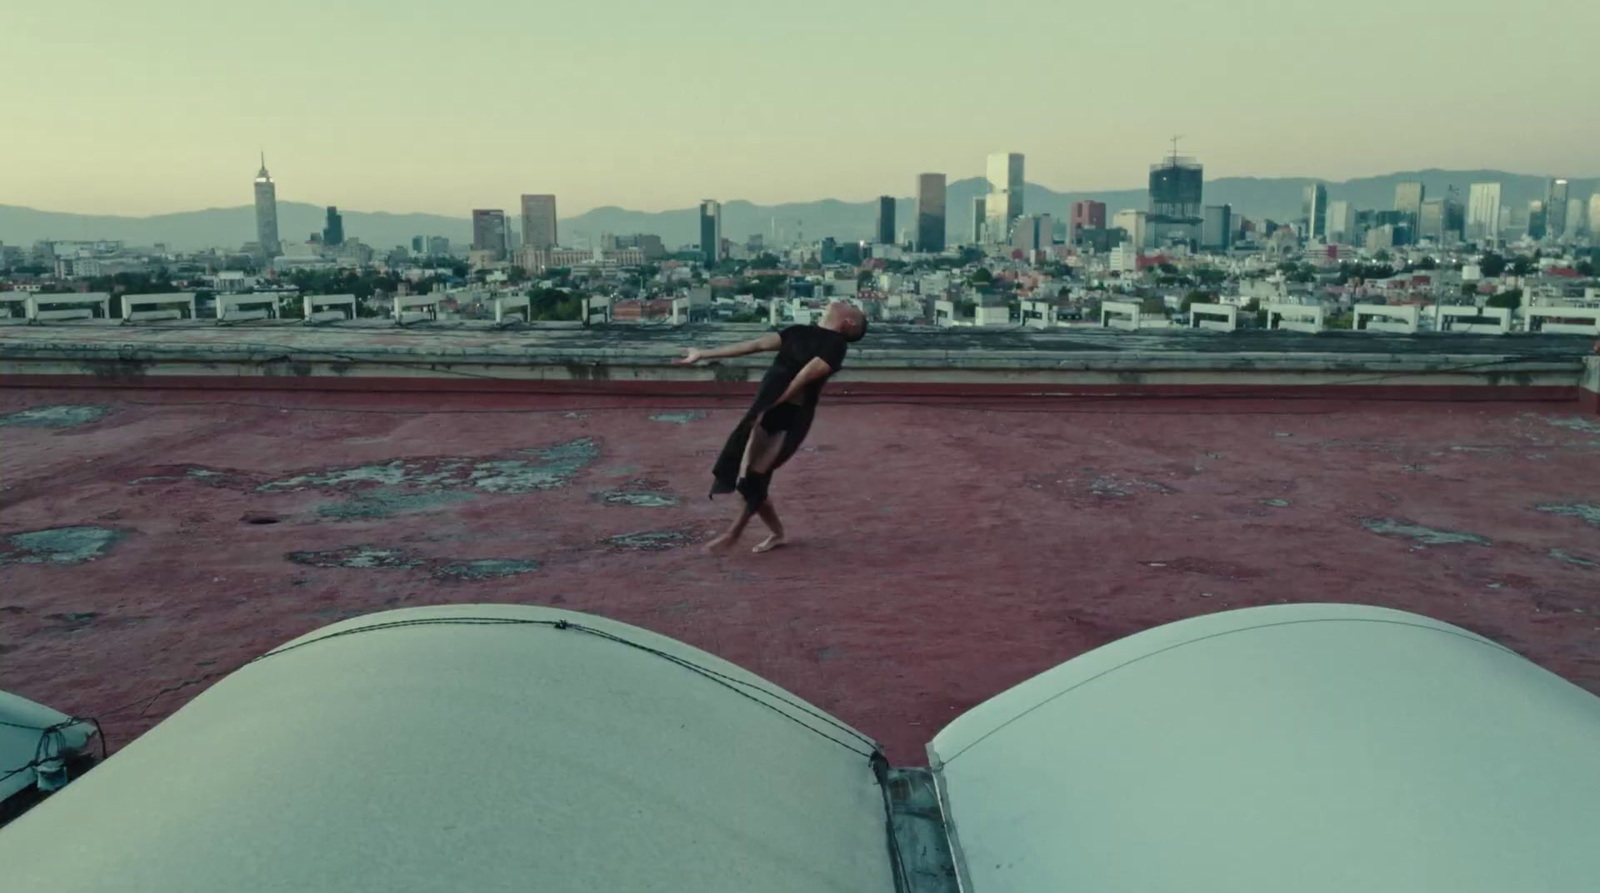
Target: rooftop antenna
x=1175, y=139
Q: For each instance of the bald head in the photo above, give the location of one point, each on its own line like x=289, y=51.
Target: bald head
x=846, y=319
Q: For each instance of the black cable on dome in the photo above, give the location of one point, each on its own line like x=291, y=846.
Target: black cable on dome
x=736, y=685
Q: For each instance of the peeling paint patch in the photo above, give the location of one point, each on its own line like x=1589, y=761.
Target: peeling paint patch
x=385, y=502
x=548, y=468
x=1576, y=424
x=1569, y=558
x=1589, y=513
x=1276, y=503
x=678, y=418
x=64, y=416
x=639, y=493
x=359, y=557
x=1425, y=535
x=482, y=569
x=651, y=540
x=59, y=545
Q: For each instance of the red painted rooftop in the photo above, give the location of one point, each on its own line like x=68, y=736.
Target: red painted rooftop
x=941, y=553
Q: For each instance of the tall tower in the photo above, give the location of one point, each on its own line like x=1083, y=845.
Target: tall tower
x=885, y=220
x=1408, y=198
x=539, y=222
x=1555, y=209
x=267, y=212
x=980, y=207
x=930, y=213
x=1483, y=213
x=711, y=232
x=1314, y=211
x=333, y=230
x=489, y=232
x=1004, y=204
x=1177, y=186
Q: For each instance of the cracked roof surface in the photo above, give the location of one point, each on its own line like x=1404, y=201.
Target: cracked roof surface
x=939, y=555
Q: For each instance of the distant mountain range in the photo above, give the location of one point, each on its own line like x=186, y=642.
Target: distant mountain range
x=1276, y=198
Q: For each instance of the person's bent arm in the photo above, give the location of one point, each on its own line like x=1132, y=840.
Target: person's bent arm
x=767, y=342
x=815, y=370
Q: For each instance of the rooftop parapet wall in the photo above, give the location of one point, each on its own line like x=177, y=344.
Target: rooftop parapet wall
x=892, y=360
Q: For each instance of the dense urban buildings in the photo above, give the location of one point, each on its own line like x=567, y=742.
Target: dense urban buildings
x=1004, y=203
x=539, y=222
x=489, y=232
x=711, y=231
x=267, y=213
x=930, y=212
x=885, y=223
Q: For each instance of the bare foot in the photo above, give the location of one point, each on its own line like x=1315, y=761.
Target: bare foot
x=720, y=545
x=767, y=545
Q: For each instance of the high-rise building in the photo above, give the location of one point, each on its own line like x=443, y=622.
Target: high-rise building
x=1536, y=220
x=539, y=222
x=1033, y=232
x=1135, y=224
x=267, y=212
x=1341, y=223
x=1594, y=217
x=1483, y=213
x=1575, y=223
x=1442, y=220
x=1555, y=208
x=419, y=245
x=1408, y=197
x=1004, y=203
x=1314, y=211
x=438, y=246
x=489, y=232
x=1086, y=215
x=930, y=213
x=1216, y=233
x=711, y=232
x=885, y=220
x=1176, y=190
x=980, y=222
x=333, y=229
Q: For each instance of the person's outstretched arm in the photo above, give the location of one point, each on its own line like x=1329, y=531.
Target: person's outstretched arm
x=767, y=342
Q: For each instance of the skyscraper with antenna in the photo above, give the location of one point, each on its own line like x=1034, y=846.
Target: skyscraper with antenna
x=267, y=212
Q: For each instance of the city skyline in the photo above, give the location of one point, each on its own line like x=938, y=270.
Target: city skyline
x=634, y=125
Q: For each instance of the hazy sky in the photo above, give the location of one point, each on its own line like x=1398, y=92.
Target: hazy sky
x=418, y=105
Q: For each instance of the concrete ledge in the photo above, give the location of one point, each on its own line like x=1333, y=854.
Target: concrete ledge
x=1495, y=320
x=1534, y=315
x=175, y=303
x=329, y=308
x=1229, y=317
x=1400, y=319
x=230, y=308
x=1308, y=318
x=1119, y=315
x=69, y=306
x=380, y=356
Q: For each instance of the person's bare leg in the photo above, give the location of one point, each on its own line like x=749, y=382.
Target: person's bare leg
x=769, y=517
x=759, y=455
